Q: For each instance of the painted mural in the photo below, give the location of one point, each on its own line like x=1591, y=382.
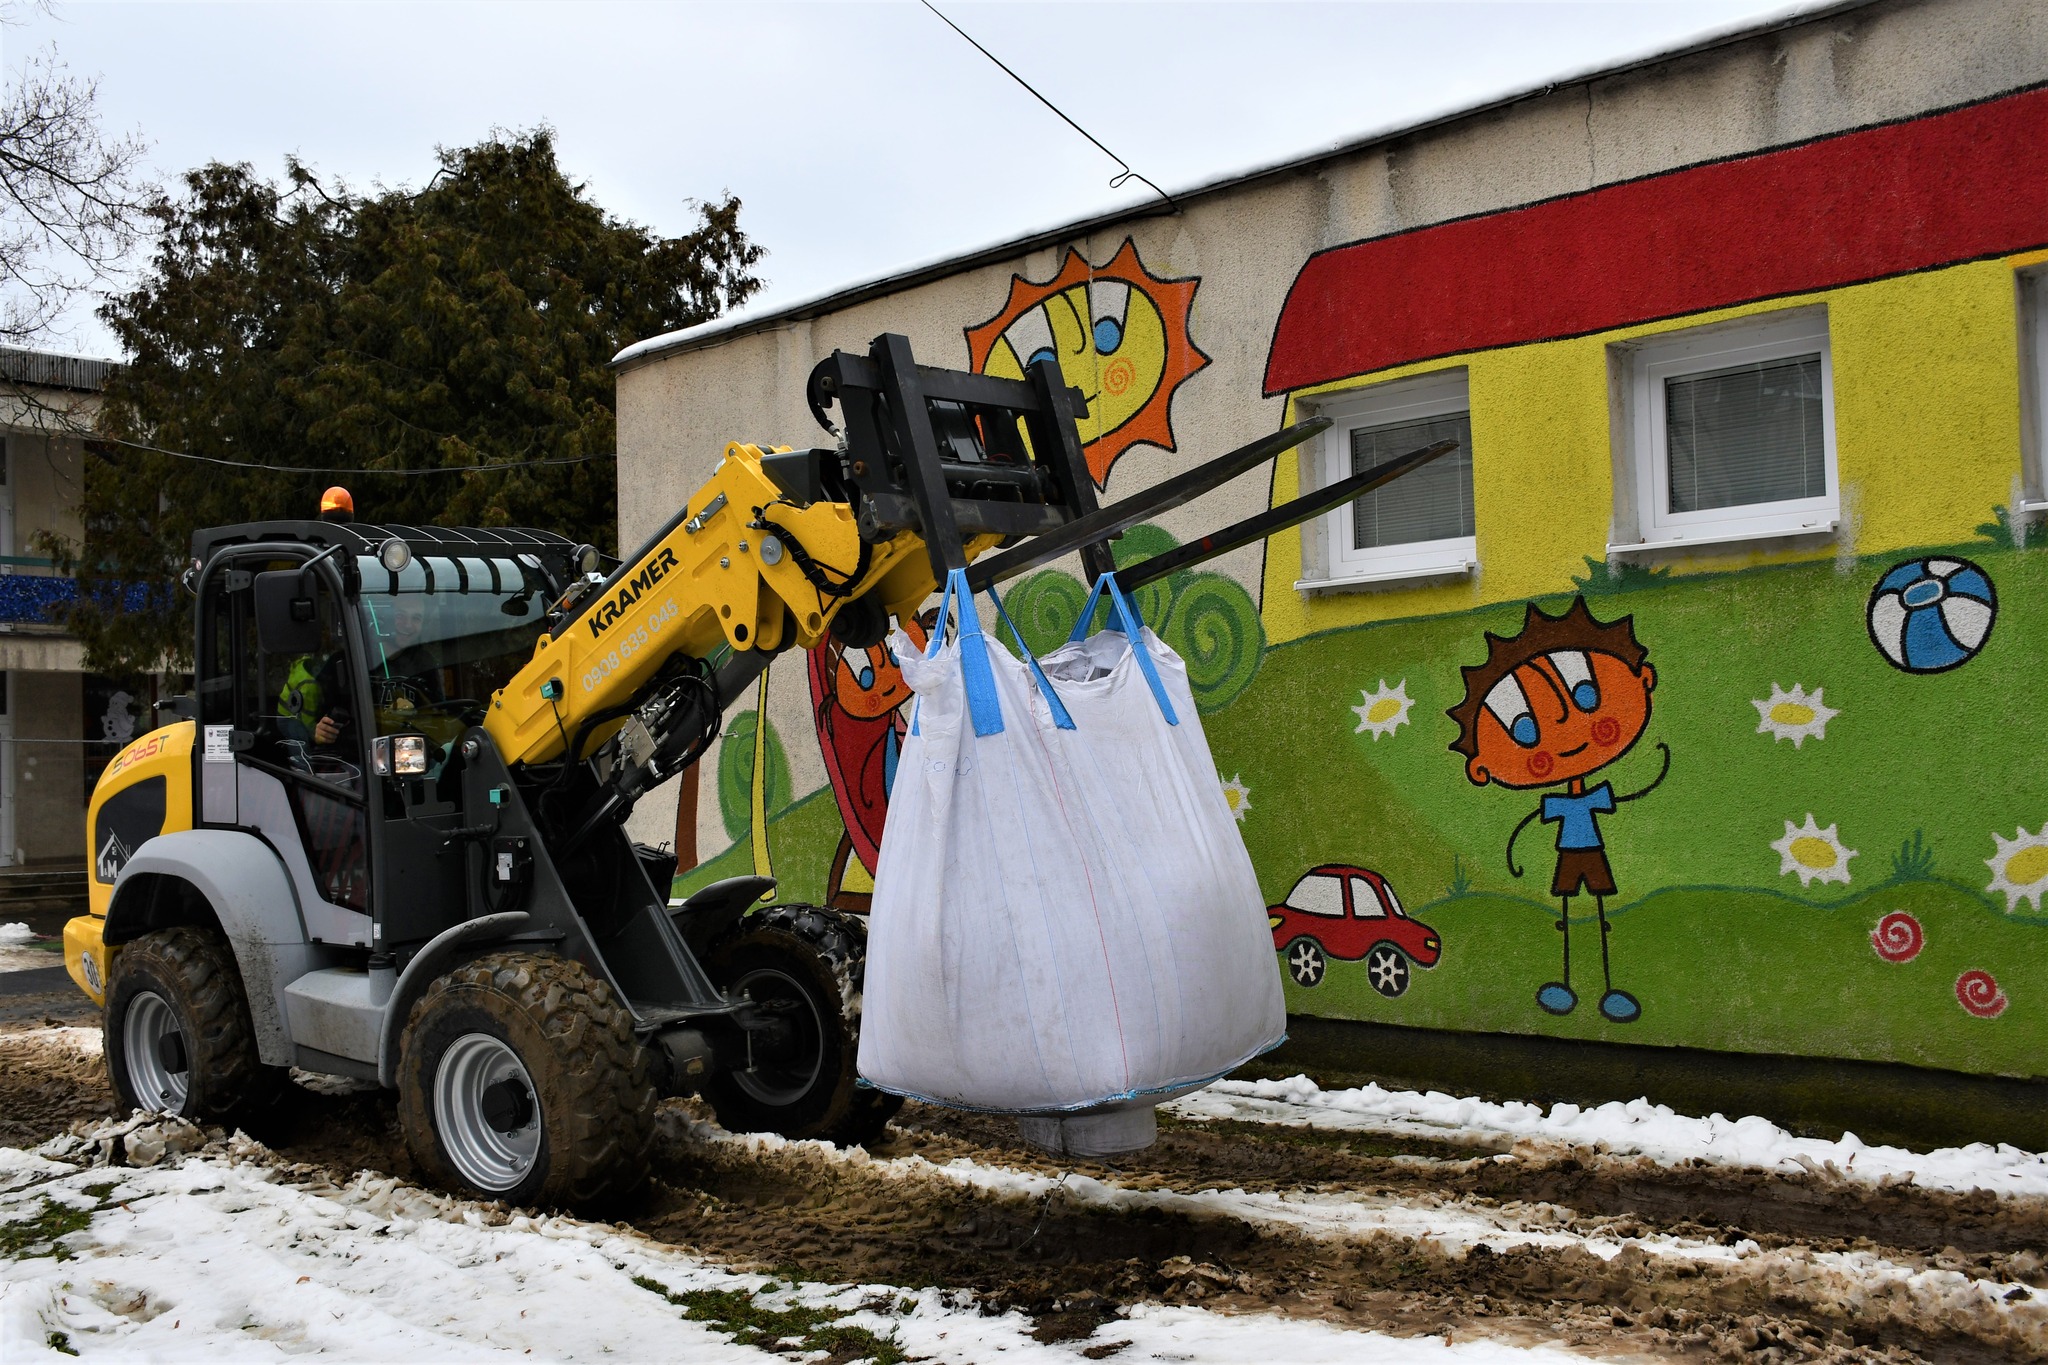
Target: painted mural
x=1120, y=335
x=1832, y=851
x=858, y=699
x=1781, y=797
x=1561, y=700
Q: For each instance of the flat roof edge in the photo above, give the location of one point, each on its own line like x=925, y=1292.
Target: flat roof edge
x=745, y=323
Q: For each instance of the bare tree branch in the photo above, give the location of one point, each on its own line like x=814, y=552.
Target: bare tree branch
x=73, y=201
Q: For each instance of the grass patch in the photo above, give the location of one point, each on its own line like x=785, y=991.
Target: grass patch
x=1914, y=861
x=793, y=1330
x=61, y=1341
x=38, y=1236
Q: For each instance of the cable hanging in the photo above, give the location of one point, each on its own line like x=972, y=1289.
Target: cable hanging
x=349, y=473
x=1117, y=181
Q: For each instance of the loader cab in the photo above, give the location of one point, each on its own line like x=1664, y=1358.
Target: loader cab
x=332, y=687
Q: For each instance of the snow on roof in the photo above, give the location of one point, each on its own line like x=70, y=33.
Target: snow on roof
x=761, y=317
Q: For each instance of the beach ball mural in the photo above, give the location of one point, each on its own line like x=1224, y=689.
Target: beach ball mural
x=1931, y=615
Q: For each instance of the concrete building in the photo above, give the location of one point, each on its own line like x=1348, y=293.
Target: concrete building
x=59, y=725
x=1744, y=347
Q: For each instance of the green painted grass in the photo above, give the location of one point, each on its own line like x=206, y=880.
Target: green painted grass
x=1732, y=970
x=801, y=840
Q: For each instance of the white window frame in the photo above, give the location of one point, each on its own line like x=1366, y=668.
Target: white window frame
x=1336, y=562
x=1775, y=336
x=2033, y=287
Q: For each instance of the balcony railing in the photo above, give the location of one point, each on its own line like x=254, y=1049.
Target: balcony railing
x=33, y=593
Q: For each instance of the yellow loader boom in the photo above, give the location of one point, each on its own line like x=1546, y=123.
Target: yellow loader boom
x=709, y=580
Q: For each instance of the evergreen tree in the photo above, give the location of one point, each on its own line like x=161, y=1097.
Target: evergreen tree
x=304, y=326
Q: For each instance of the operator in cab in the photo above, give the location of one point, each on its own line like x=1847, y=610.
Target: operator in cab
x=313, y=706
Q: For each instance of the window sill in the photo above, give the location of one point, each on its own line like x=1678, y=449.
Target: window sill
x=1458, y=568
x=2033, y=506
x=1681, y=544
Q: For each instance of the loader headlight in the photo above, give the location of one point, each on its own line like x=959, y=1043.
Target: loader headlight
x=400, y=755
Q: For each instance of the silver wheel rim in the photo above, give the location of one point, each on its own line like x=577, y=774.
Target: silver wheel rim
x=150, y=1019
x=481, y=1153
x=784, y=1083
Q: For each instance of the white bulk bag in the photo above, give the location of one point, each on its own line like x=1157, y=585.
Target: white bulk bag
x=1065, y=920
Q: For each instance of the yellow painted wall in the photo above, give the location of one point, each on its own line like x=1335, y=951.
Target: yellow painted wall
x=1927, y=439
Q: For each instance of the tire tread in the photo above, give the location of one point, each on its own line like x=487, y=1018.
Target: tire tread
x=597, y=1066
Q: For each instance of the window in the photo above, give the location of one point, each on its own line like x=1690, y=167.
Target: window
x=1416, y=527
x=1731, y=435
x=1364, y=904
x=2034, y=387
x=1318, y=895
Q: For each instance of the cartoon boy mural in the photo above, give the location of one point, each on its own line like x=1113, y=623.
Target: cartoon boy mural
x=1553, y=704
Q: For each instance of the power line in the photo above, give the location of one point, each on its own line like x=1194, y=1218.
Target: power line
x=350, y=473
x=1117, y=181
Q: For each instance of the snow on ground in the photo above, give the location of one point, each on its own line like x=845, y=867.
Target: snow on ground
x=228, y=1254
x=86, y=1041
x=1635, y=1128
x=19, y=950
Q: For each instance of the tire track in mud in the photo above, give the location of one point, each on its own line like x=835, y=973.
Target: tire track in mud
x=1713, y=1262
x=1057, y=1257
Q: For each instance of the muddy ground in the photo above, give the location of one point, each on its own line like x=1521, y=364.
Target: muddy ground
x=1825, y=1283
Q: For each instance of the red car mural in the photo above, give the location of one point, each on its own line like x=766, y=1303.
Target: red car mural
x=1352, y=914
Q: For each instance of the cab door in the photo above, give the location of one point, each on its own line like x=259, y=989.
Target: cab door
x=282, y=749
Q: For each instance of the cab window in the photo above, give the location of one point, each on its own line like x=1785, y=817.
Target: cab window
x=301, y=707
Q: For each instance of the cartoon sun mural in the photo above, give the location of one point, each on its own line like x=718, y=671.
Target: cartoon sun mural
x=2020, y=868
x=1796, y=715
x=1816, y=854
x=1120, y=335
x=1384, y=711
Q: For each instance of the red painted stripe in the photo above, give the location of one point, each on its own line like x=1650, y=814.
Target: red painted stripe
x=1857, y=206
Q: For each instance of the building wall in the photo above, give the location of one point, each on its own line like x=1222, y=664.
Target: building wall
x=49, y=776
x=45, y=759
x=1825, y=867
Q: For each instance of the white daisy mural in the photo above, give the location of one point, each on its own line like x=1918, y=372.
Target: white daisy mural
x=1816, y=854
x=1383, y=711
x=1797, y=715
x=1238, y=796
x=2020, y=868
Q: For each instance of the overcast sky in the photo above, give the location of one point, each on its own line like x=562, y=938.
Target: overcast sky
x=859, y=136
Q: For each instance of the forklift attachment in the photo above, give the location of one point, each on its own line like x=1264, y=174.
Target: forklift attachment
x=1290, y=513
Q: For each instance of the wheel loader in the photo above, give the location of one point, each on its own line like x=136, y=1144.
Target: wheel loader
x=384, y=837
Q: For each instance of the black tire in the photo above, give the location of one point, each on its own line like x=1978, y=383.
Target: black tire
x=811, y=963
x=566, y=1121
x=178, y=1035
x=1386, y=967
x=1306, y=962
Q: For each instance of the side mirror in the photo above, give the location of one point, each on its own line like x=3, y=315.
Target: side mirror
x=287, y=622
